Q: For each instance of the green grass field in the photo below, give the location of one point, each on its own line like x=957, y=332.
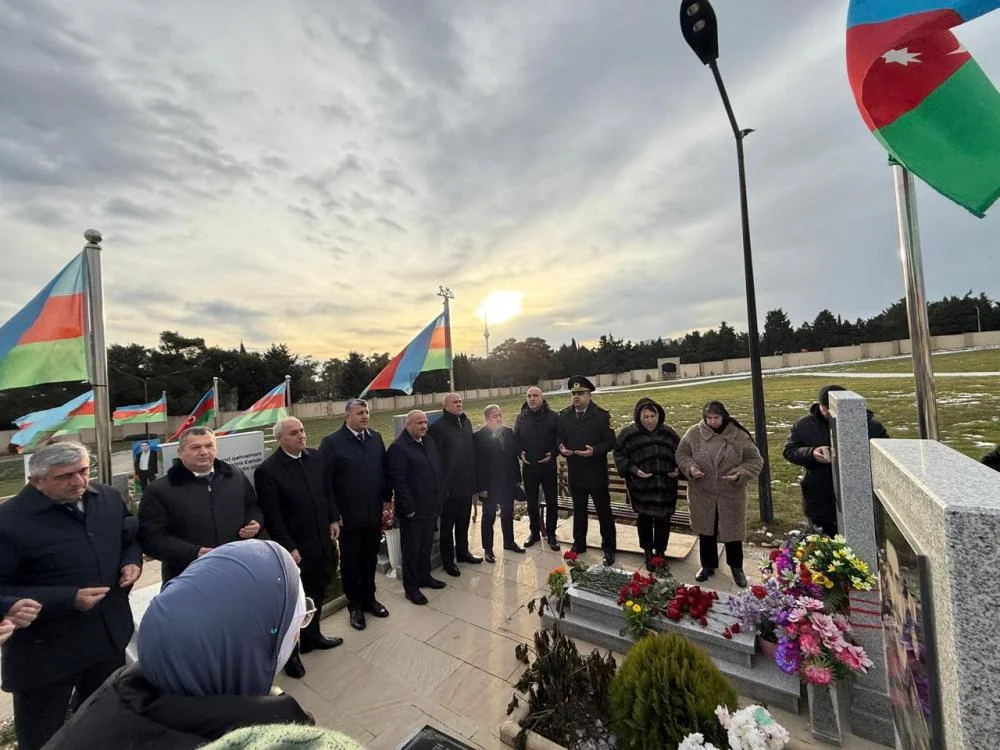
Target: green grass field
x=968, y=413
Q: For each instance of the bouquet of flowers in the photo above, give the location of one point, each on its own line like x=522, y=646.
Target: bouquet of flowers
x=763, y=607
x=817, y=645
x=389, y=517
x=750, y=728
x=575, y=564
x=557, y=581
x=643, y=597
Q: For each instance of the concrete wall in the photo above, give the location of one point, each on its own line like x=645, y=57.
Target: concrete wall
x=878, y=349
x=717, y=367
x=985, y=338
x=773, y=362
x=843, y=353
x=801, y=359
x=948, y=343
x=738, y=365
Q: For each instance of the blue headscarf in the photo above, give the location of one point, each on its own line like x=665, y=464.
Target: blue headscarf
x=217, y=628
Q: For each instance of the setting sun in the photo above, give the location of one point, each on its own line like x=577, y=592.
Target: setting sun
x=500, y=306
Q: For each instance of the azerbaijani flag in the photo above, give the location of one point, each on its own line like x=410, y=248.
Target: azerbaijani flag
x=430, y=350
x=924, y=97
x=44, y=342
x=200, y=415
x=154, y=411
x=39, y=426
x=267, y=411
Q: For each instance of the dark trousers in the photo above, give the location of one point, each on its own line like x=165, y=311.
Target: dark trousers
x=709, y=549
x=544, y=477
x=39, y=713
x=358, y=557
x=602, y=504
x=828, y=527
x=416, y=536
x=506, y=520
x=315, y=578
x=455, y=518
x=654, y=533
x=145, y=477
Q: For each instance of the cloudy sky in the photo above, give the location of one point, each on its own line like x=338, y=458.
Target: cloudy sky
x=310, y=171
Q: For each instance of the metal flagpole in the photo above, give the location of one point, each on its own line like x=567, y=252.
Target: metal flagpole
x=447, y=294
x=916, y=300
x=288, y=394
x=218, y=406
x=166, y=416
x=98, y=354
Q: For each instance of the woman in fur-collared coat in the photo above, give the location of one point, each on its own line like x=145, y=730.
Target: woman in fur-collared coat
x=719, y=457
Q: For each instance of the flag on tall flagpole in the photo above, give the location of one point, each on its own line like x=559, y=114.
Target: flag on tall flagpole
x=265, y=412
x=45, y=341
x=154, y=411
x=200, y=416
x=924, y=97
x=35, y=428
x=430, y=350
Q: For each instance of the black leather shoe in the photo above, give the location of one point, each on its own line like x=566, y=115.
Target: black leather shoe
x=294, y=667
x=433, y=583
x=739, y=577
x=489, y=556
x=532, y=540
x=579, y=548
x=377, y=608
x=649, y=564
x=704, y=574
x=358, y=619
x=514, y=548
x=609, y=559
x=451, y=569
x=468, y=557
x=321, y=643
x=553, y=544
x=416, y=597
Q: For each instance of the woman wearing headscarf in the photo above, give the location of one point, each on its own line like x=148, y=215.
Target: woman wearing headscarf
x=210, y=646
x=718, y=457
x=645, y=456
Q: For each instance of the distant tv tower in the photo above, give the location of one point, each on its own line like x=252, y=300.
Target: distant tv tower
x=486, y=334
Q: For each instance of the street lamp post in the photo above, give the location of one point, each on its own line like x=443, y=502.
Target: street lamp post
x=701, y=32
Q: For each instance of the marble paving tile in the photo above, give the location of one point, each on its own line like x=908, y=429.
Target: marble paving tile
x=487, y=739
x=358, y=640
x=337, y=681
x=510, y=593
x=325, y=713
x=412, y=662
x=489, y=651
x=476, y=694
x=521, y=626
x=523, y=572
x=404, y=723
x=478, y=610
x=420, y=622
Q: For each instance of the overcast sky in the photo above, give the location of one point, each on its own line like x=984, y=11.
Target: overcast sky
x=310, y=171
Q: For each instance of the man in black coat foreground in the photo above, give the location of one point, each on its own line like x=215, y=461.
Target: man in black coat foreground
x=200, y=504
x=536, y=431
x=357, y=467
x=808, y=445
x=294, y=493
x=585, y=438
x=69, y=545
x=418, y=485
x=452, y=434
x=145, y=464
x=499, y=476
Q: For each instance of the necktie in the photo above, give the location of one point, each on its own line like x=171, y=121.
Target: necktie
x=361, y=438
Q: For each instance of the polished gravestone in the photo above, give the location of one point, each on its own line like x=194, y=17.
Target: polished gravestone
x=430, y=738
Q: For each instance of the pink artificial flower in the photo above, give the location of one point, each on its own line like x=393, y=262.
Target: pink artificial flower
x=842, y=622
x=813, y=605
x=797, y=615
x=854, y=657
x=819, y=675
x=826, y=627
x=808, y=644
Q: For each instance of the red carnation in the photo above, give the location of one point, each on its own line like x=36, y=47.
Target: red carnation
x=570, y=555
x=704, y=622
x=775, y=554
x=735, y=627
x=727, y=633
x=759, y=591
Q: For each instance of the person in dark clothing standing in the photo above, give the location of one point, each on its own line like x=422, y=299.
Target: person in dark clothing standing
x=418, y=486
x=202, y=502
x=68, y=544
x=536, y=431
x=452, y=434
x=585, y=439
x=808, y=445
x=294, y=493
x=145, y=465
x=358, y=467
x=499, y=474
x=646, y=457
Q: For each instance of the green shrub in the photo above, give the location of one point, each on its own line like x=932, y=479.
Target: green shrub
x=666, y=689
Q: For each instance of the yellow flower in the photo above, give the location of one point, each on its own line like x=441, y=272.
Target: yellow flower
x=636, y=608
x=800, y=554
x=629, y=604
x=832, y=569
x=820, y=579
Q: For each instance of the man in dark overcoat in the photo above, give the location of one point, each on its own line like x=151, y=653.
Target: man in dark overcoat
x=499, y=475
x=69, y=545
x=536, y=431
x=357, y=467
x=294, y=493
x=452, y=433
x=145, y=463
x=585, y=438
x=418, y=487
x=200, y=504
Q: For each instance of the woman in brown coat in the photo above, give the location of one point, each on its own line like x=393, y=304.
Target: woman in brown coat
x=718, y=457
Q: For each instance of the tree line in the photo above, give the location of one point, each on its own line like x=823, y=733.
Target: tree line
x=184, y=367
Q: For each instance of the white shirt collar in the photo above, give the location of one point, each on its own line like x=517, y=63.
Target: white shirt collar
x=356, y=433
x=296, y=456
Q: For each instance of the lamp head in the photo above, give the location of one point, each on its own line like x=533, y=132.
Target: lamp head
x=700, y=29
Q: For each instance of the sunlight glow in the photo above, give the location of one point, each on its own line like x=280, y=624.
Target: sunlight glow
x=500, y=306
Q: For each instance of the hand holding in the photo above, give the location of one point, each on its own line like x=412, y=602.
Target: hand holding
x=564, y=450
x=250, y=530
x=587, y=452
x=23, y=612
x=696, y=472
x=296, y=556
x=642, y=474
x=733, y=476
x=335, y=530
x=130, y=574
x=6, y=630
x=548, y=457
x=674, y=473
x=822, y=454
x=88, y=598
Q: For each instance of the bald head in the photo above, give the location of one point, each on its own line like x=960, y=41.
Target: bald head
x=453, y=404
x=416, y=424
x=534, y=398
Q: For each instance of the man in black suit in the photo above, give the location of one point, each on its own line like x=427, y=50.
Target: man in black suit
x=357, y=467
x=499, y=475
x=67, y=544
x=418, y=484
x=536, y=431
x=294, y=493
x=585, y=437
x=452, y=433
x=200, y=504
x=145, y=464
